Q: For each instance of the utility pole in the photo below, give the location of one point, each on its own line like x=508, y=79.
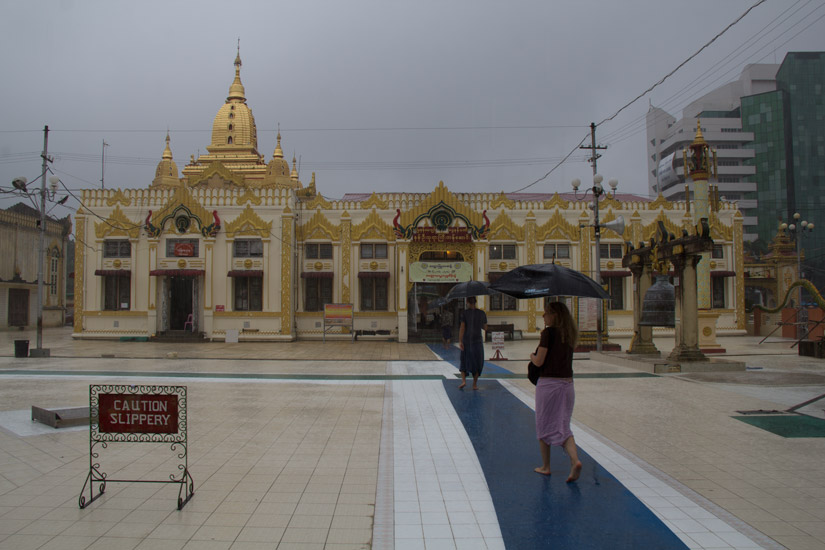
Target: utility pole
x=103, y=164
x=41, y=249
x=597, y=191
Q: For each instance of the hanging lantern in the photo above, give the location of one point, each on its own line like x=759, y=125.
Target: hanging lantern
x=659, y=305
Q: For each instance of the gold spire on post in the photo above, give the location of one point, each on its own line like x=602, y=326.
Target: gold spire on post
x=236, y=90
x=167, y=153
x=166, y=174
x=294, y=174
x=279, y=153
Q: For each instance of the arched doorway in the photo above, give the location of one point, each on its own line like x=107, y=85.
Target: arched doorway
x=433, y=272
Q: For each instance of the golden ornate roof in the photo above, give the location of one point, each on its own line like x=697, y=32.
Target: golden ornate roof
x=235, y=148
x=166, y=173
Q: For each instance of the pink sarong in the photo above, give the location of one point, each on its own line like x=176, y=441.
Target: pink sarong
x=554, y=408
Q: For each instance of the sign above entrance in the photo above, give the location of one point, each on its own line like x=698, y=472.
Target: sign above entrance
x=440, y=272
x=452, y=235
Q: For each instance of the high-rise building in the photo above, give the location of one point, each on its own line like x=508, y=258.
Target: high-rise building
x=721, y=123
x=789, y=142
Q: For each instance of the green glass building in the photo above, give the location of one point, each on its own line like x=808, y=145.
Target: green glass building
x=789, y=152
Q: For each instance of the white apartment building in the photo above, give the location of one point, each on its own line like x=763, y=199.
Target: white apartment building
x=719, y=114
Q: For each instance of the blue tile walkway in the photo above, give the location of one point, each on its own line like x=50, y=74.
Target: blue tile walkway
x=452, y=355
x=537, y=511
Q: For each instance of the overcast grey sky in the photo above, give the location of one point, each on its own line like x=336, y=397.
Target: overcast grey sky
x=371, y=95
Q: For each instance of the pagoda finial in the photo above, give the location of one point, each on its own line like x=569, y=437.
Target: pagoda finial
x=279, y=153
x=236, y=90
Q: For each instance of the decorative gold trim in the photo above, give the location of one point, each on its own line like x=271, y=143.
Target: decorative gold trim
x=503, y=228
x=318, y=202
x=556, y=202
x=373, y=227
x=214, y=172
x=115, y=313
x=287, y=307
x=181, y=199
x=374, y=202
x=248, y=196
x=346, y=259
x=248, y=223
x=502, y=200
x=255, y=314
x=117, y=225
x=319, y=227
x=118, y=197
x=557, y=228
x=441, y=194
x=650, y=229
x=660, y=202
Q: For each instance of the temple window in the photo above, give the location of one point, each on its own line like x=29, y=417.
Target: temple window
x=53, y=265
x=501, y=302
x=502, y=252
x=610, y=251
x=318, y=251
x=229, y=140
x=615, y=287
x=717, y=292
x=317, y=293
x=249, y=292
x=117, y=248
x=718, y=252
x=373, y=250
x=116, y=292
x=373, y=293
x=230, y=127
x=248, y=248
x=558, y=251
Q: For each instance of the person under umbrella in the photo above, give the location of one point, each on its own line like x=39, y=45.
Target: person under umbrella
x=471, y=342
x=554, y=389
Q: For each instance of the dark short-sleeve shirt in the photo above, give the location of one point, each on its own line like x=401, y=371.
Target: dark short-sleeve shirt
x=474, y=321
x=559, y=360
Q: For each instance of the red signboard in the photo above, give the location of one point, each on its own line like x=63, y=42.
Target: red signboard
x=138, y=413
x=185, y=249
x=452, y=235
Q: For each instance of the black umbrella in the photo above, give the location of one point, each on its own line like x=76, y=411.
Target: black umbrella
x=470, y=288
x=534, y=281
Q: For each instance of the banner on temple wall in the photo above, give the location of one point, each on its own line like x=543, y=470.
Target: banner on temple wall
x=440, y=272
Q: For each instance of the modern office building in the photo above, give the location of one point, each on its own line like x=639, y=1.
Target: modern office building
x=719, y=114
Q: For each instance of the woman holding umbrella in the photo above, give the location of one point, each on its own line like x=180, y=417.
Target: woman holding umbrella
x=471, y=342
x=554, y=390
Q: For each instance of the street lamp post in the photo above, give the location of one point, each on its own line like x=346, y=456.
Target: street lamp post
x=795, y=231
x=597, y=191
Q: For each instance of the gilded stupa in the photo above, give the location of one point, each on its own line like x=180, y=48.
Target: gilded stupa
x=166, y=174
x=233, y=159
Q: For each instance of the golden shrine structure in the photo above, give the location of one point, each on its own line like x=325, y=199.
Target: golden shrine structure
x=238, y=247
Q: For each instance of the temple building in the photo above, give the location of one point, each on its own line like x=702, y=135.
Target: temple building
x=233, y=246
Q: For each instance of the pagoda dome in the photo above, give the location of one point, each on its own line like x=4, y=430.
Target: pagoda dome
x=234, y=124
x=167, y=171
x=278, y=166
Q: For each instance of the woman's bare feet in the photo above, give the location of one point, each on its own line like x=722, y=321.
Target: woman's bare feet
x=575, y=472
x=475, y=387
x=462, y=385
x=542, y=470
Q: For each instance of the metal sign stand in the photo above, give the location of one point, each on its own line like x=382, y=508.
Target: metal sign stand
x=137, y=414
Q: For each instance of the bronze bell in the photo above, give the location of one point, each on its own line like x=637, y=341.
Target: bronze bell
x=659, y=306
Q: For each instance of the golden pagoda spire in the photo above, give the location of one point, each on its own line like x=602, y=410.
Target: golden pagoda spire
x=167, y=153
x=294, y=174
x=279, y=153
x=236, y=90
x=699, y=137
